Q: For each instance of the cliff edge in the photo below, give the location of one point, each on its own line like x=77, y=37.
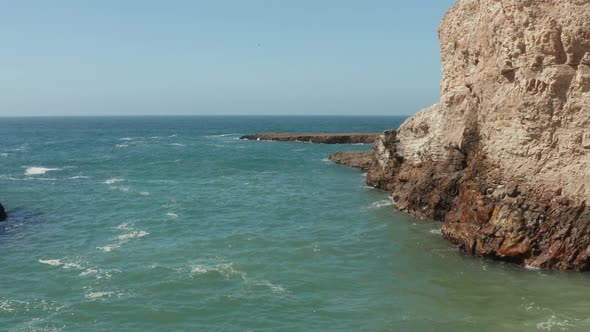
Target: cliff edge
x=503, y=159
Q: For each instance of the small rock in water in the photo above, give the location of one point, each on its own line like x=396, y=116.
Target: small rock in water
x=3, y=215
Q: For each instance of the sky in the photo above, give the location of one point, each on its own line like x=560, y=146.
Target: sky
x=219, y=57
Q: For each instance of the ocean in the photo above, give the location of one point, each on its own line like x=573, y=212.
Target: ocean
x=174, y=224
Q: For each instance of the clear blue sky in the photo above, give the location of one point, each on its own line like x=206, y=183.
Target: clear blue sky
x=126, y=57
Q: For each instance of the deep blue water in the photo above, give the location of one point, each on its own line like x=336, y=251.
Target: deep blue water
x=173, y=224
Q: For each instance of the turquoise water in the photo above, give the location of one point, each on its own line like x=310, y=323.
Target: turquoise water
x=172, y=224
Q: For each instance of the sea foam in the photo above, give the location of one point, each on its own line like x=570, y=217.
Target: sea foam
x=382, y=203
x=132, y=235
x=36, y=170
x=113, y=181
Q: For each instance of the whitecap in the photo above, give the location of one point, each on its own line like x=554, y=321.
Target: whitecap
x=436, y=231
x=126, y=139
x=326, y=160
x=532, y=268
x=4, y=154
x=122, y=145
x=37, y=170
x=364, y=175
x=225, y=270
x=228, y=271
x=144, y=193
x=199, y=269
x=77, y=177
x=109, y=248
x=553, y=322
x=6, y=306
x=72, y=266
x=176, y=144
x=52, y=262
x=88, y=272
x=382, y=203
x=125, y=226
x=133, y=235
x=222, y=135
x=96, y=295
x=172, y=215
x=277, y=289
x=58, y=262
x=113, y=181
x=123, y=189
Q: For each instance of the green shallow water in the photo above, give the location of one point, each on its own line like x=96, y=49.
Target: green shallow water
x=172, y=224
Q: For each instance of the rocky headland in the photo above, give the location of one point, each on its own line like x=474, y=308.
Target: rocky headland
x=504, y=157
x=316, y=138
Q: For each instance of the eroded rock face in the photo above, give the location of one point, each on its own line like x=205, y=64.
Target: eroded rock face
x=504, y=157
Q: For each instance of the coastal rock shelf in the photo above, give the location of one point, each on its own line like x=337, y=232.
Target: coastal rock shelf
x=356, y=159
x=504, y=157
x=317, y=138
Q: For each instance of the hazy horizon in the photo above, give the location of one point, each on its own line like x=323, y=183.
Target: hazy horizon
x=207, y=58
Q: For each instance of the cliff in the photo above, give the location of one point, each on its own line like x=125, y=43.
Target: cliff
x=503, y=158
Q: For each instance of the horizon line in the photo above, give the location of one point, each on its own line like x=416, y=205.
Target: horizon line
x=198, y=115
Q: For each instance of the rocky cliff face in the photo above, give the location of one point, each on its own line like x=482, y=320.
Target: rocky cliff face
x=504, y=157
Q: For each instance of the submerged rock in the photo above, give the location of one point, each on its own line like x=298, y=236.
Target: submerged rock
x=356, y=159
x=504, y=157
x=318, y=138
x=3, y=215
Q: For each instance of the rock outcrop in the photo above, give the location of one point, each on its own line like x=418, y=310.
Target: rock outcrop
x=504, y=157
x=356, y=159
x=3, y=215
x=318, y=138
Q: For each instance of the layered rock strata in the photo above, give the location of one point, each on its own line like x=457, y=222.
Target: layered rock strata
x=318, y=138
x=504, y=157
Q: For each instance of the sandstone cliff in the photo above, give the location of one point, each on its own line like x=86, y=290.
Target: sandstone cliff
x=503, y=159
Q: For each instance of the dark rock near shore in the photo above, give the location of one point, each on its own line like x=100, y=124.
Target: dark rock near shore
x=356, y=159
x=317, y=138
x=3, y=215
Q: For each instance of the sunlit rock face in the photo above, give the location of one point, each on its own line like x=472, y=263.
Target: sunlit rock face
x=504, y=157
